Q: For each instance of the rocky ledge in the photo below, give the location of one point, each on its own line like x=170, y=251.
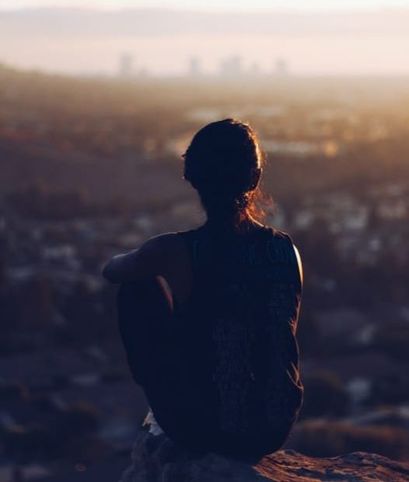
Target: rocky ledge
x=158, y=459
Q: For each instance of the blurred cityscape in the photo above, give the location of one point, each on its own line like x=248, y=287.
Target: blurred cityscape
x=231, y=67
x=92, y=167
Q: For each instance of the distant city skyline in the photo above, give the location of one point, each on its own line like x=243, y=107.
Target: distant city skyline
x=164, y=42
x=228, y=67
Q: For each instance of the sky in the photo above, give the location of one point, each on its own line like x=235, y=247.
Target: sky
x=321, y=37
x=249, y=5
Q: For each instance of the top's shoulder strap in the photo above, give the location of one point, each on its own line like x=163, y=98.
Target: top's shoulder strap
x=191, y=239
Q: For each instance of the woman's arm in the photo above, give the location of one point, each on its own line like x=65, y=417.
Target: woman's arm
x=147, y=261
x=300, y=269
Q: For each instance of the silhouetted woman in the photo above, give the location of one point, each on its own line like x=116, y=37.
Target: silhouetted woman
x=208, y=316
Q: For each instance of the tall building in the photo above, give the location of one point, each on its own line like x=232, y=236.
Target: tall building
x=231, y=67
x=195, y=67
x=281, y=67
x=254, y=69
x=126, y=65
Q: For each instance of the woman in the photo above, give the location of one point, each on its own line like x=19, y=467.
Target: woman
x=208, y=316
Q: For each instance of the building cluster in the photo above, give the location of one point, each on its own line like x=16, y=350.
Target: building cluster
x=231, y=67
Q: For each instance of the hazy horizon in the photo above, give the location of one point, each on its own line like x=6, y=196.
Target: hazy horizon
x=213, y=5
x=160, y=40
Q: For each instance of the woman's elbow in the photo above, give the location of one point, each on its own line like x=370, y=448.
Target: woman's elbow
x=108, y=272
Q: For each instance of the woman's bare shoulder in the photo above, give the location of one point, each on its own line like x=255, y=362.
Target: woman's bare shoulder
x=165, y=242
x=150, y=259
x=169, y=247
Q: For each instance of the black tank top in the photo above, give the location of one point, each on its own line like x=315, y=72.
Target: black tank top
x=237, y=387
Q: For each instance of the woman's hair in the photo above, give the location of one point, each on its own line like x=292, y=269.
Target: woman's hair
x=223, y=163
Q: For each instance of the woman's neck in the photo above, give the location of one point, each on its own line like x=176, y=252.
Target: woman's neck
x=237, y=224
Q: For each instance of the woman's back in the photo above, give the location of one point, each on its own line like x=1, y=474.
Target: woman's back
x=217, y=355
x=230, y=380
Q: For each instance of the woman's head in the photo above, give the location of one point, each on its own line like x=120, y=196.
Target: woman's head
x=224, y=163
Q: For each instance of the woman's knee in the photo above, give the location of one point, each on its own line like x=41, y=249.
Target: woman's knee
x=148, y=297
x=143, y=316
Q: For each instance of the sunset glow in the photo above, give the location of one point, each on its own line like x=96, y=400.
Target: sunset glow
x=365, y=37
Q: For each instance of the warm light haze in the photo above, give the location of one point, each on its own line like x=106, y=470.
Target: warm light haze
x=99, y=103
x=312, y=37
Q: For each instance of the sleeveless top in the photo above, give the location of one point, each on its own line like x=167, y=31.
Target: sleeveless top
x=236, y=383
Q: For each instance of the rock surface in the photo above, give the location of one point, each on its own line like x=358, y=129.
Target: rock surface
x=158, y=459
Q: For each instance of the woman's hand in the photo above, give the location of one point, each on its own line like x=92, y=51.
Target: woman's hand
x=117, y=267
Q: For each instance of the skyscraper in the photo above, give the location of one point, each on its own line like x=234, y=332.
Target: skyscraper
x=126, y=65
x=280, y=67
x=231, y=66
x=195, y=67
